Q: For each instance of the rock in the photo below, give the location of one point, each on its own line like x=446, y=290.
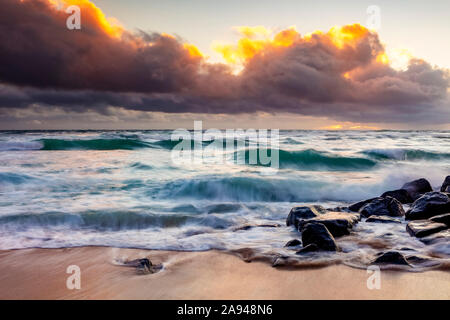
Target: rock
x=445, y=184
x=383, y=207
x=309, y=248
x=340, y=209
x=293, y=243
x=145, y=263
x=338, y=223
x=139, y=263
x=144, y=266
x=250, y=226
x=305, y=212
x=401, y=195
x=419, y=261
x=423, y=228
x=417, y=187
x=442, y=236
x=429, y=205
x=391, y=257
x=356, y=206
x=382, y=219
x=443, y=218
x=316, y=233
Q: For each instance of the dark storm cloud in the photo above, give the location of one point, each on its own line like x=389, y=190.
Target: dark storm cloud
x=38, y=50
x=44, y=63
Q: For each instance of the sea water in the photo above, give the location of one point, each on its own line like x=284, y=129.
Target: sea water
x=122, y=189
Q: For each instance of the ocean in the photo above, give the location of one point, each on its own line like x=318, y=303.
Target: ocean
x=122, y=189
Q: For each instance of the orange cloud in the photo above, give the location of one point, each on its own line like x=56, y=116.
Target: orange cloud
x=254, y=40
x=193, y=50
x=347, y=35
x=90, y=11
x=258, y=39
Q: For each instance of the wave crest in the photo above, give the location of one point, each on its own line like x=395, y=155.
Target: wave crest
x=405, y=154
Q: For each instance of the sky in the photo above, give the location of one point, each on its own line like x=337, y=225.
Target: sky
x=411, y=25
x=250, y=64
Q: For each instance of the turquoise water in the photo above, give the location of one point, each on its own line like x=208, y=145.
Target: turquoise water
x=122, y=188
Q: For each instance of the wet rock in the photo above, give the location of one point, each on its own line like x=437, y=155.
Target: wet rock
x=429, y=205
x=400, y=195
x=356, y=206
x=293, y=243
x=445, y=184
x=383, y=207
x=145, y=263
x=341, y=209
x=391, y=257
x=316, y=233
x=443, y=236
x=417, y=187
x=305, y=212
x=144, y=266
x=419, y=261
x=139, y=263
x=309, y=248
x=382, y=219
x=338, y=223
x=250, y=226
x=423, y=228
x=443, y=218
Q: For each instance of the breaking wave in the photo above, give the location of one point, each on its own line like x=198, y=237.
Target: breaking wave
x=311, y=159
x=405, y=154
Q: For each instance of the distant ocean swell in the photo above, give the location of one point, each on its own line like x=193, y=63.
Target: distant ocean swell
x=307, y=159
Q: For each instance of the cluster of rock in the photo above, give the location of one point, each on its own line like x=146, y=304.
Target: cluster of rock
x=428, y=213
x=143, y=266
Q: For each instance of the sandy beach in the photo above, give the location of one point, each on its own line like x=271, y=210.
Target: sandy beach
x=41, y=274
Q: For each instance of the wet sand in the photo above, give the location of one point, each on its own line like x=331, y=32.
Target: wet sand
x=41, y=274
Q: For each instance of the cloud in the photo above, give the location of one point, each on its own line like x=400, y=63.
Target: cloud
x=38, y=50
x=342, y=74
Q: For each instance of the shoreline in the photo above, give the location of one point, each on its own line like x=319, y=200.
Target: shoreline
x=41, y=274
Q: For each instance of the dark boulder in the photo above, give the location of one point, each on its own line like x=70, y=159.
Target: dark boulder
x=293, y=243
x=429, y=205
x=316, y=233
x=391, y=257
x=445, y=184
x=340, y=209
x=440, y=237
x=401, y=195
x=443, y=218
x=382, y=219
x=423, y=228
x=383, y=207
x=417, y=187
x=305, y=212
x=309, y=248
x=338, y=223
x=356, y=206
